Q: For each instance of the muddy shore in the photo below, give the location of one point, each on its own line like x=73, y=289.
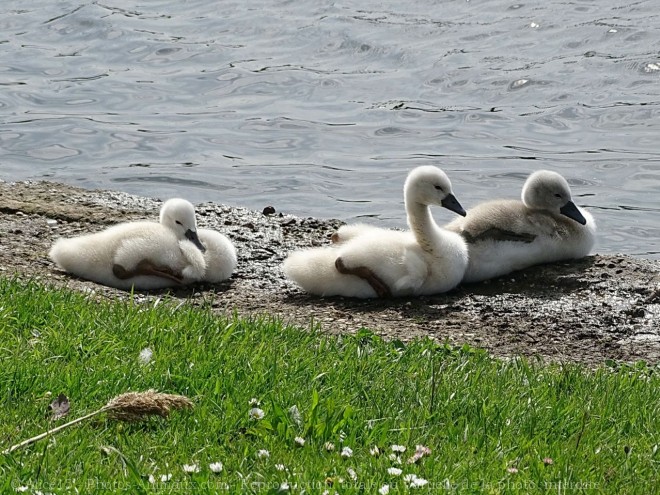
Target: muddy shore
x=592, y=310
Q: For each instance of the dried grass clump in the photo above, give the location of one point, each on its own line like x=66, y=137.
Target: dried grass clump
x=129, y=406
x=134, y=406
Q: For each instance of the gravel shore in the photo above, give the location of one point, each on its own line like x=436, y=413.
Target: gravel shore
x=592, y=310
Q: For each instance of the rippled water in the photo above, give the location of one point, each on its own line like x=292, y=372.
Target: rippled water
x=320, y=108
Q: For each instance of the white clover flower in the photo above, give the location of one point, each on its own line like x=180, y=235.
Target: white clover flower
x=145, y=356
x=394, y=458
x=374, y=451
x=352, y=474
x=256, y=413
x=420, y=451
x=21, y=489
x=295, y=415
x=299, y=440
x=384, y=490
x=414, y=482
x=347, y=452
x=284, y=487
x=216, y=467
x=253, y=402
x=329, y=446
x=191, y=468
x=394, y=471
x=166, y=477
x=262, y=453
x=280, y=467
x=418, y=483
x=398, y=448
x=152, y=480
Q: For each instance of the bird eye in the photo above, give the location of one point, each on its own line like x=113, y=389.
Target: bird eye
x=178, y=223
x=557, y=195
x=438, y=188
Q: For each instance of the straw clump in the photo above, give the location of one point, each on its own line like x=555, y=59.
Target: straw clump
x=134, y=406
x=129, y=406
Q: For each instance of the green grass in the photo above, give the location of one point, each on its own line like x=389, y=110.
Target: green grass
x=481, y=417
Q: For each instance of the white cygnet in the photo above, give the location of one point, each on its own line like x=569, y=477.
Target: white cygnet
x=508, y=235
x=367, y=262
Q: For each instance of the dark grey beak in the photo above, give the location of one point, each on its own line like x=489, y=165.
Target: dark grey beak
x=192, y=237
x=451, y=203
x=571, y=211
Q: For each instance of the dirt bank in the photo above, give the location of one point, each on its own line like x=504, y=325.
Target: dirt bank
x=602, y=307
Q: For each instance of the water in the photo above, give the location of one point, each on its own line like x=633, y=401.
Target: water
x=320, y=108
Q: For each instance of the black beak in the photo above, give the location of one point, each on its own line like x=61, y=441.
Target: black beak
x=192, y=237
x=451, y=203
x=571, y=211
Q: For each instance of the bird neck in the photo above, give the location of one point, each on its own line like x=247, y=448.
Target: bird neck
x=422, y=225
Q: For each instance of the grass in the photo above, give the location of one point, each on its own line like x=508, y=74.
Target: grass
x=493, y=426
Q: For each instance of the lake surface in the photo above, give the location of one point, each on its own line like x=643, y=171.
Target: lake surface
x=321, y=108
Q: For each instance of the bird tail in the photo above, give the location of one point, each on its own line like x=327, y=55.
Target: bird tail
x=315, y=272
